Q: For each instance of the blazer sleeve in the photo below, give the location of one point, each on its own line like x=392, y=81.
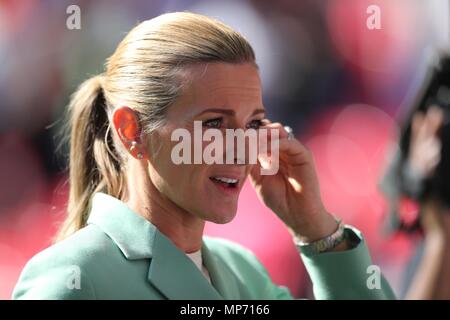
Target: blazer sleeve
x=341, y=275
x=347, y=274
x=50, y=277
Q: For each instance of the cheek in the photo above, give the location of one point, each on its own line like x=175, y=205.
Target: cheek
x=182, y=182
x=168, y=172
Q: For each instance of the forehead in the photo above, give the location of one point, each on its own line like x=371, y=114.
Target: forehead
x=224, y=85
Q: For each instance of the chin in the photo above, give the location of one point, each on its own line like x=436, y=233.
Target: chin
x=222, y=217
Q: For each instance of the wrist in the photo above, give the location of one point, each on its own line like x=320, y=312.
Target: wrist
x=335, y=241
x=321, y=226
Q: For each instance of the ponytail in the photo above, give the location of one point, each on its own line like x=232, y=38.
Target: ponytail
x=94, y=163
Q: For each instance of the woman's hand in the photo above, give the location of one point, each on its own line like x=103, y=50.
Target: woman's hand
x=424, y=156
x=293, y=192
x=425, y=144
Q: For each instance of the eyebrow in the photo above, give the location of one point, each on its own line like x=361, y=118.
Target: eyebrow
x=228, y=111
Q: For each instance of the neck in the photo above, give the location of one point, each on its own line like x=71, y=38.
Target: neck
x=182, y=228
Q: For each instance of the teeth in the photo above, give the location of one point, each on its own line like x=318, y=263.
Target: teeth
x=226, y=180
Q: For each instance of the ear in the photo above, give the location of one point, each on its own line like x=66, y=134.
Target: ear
x=126, y=124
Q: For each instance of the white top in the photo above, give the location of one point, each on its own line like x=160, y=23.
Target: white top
x=196, y=257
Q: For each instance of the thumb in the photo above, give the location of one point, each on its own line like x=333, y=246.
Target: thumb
x=255, y=174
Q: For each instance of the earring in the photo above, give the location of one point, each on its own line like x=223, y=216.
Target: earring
x=133, y=146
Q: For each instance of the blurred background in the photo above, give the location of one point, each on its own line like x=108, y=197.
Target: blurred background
x=345, y=88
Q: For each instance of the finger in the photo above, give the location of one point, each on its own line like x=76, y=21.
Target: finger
x=434, y=119
x=277, y=126
x=255, y=173
x=294, y=151
x=282, y=132
x=291, y=146
x=291, y=151
x=434, y=150
x=416, y=124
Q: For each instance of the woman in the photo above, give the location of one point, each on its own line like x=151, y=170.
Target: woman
x=135, y=219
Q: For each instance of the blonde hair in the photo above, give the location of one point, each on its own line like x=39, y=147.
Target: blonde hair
x=143, y=74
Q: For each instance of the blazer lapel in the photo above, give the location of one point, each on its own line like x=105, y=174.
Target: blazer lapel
x=221, y=276
x=175, y=275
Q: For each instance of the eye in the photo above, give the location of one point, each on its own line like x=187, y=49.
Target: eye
x=255, y=124
x=213, y=123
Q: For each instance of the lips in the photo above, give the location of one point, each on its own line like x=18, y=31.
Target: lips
x=226, y=181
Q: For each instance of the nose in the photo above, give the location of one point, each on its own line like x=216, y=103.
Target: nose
x=240, y=146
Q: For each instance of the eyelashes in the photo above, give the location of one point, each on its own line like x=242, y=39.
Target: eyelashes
x=212, y=123
x=216, y=123
x=256, y=124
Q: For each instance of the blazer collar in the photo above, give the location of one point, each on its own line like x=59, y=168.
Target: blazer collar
x=176, y=275
x=133, y=234
x=171, y=271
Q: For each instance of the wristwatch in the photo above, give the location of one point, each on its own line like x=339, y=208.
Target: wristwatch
x=325, y=244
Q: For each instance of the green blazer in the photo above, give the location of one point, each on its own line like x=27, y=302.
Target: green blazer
x=120, y=255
